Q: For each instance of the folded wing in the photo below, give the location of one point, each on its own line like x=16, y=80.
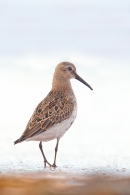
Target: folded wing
x=47, y=114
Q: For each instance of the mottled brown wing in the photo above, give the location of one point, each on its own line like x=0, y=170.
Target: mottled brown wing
x=47, y=114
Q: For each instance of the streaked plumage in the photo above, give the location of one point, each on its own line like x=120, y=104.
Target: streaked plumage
x=54, y=115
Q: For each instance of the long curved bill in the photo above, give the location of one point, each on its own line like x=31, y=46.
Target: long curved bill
x=82, y=81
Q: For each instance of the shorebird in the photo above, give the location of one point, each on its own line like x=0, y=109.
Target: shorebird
x=56, y=112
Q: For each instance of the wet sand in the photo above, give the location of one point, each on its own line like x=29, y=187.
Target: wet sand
x=22, y=173
x=63, y=183
x=85, y=170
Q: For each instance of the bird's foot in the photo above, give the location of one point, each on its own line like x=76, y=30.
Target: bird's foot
x=54, y=165
x=46, y=162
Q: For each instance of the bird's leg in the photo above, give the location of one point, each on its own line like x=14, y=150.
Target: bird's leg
x=56, y=149
x=45, y=160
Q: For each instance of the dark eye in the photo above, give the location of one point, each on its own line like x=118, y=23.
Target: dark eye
x=69, y=68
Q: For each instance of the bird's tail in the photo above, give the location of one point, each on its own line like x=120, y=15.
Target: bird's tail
x=17, y=141
x=21, y=139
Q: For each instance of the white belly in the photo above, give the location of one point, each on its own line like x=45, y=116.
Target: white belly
x=57, y=131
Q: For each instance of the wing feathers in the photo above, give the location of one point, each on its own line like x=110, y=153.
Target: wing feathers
x=48, y=113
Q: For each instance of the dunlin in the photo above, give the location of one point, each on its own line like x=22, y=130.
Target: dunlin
x=56, y=112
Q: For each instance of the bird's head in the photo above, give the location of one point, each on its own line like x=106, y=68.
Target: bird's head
x=66, y=71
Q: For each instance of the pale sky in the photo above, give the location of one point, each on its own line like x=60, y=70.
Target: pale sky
x=36, y=35
x=97, y=28
x=94, y=35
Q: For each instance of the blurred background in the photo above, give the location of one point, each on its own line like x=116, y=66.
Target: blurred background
x=94, y=35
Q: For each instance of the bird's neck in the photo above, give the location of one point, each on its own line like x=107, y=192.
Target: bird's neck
x=60, y=83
